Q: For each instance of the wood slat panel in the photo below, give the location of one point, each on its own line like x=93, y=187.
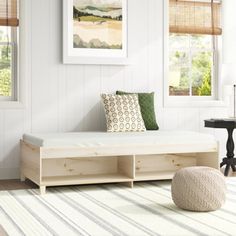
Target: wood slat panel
x=159, y=163
x=30, y=162
x=79, y=166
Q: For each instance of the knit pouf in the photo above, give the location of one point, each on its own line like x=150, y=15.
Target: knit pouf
x=198, y=189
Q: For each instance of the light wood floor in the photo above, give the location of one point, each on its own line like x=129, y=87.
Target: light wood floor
x=17, y=184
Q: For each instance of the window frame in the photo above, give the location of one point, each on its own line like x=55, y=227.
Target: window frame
x=216, y=99
x=214, y=72
x=21, y=99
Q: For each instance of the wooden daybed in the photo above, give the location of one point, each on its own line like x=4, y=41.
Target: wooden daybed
x=99, y=157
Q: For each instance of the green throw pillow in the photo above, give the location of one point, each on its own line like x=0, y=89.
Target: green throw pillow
x=146, y=102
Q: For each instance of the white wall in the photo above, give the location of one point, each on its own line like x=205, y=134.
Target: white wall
x=66, y=97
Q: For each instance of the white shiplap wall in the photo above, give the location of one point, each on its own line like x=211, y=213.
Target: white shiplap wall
x=67, y=97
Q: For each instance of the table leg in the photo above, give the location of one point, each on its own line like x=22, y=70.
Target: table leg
x=227, y=170
x=229, y=161
x=233, y=168
x=230, y=144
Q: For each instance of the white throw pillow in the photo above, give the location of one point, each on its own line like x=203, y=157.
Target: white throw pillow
x=122, y=113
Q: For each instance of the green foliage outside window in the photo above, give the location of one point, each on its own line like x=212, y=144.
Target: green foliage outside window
x=202, y=80
x=5, y=67
x=5, y=82
x=190, y=71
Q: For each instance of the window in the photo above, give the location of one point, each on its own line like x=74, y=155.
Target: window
x=194, y=27
x=8, y=62
x=8, y=49
x=192, y=70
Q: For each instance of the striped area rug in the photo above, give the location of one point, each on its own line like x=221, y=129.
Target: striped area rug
x=147, y=209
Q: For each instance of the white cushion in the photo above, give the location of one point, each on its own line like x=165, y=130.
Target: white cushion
x=148, y=138
x=138, y=143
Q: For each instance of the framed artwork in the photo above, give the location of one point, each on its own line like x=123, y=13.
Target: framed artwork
x=95, y=32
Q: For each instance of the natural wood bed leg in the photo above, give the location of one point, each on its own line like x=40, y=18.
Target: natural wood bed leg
x=42, y=190
x=22, y=177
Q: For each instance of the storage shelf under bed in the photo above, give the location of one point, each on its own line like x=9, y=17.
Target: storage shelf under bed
x=84, y=179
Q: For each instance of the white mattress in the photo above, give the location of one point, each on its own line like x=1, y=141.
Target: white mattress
x=103, y=139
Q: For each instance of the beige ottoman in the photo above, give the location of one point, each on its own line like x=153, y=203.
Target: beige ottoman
x=198, y=189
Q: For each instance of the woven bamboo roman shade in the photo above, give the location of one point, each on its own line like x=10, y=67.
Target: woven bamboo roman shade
x=195, y=17
x=8, y=13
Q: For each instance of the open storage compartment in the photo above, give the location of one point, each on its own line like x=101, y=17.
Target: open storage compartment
x=163, y=166
x=87, y=170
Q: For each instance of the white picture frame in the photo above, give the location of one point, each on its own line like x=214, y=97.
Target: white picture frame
x=97, y=56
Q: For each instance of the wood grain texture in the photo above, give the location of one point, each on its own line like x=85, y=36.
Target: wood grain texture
x=126, y=166
x=31, y=167
x=159, y=163
x=79, y=166
x=60, y=166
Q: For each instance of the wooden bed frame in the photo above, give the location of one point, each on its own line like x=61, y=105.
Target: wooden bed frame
x=58, y=166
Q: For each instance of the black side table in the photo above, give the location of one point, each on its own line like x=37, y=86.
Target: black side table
x=230, y=125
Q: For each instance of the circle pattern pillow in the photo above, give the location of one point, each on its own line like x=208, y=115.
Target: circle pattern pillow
x=122, y=113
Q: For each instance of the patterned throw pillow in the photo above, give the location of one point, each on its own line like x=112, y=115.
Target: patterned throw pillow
x=122, y=113
x=146, y=102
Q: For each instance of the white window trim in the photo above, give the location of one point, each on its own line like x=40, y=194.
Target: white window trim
x=184, y=101
x=20, y=96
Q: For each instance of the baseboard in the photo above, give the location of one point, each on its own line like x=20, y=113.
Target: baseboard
x=9, y=173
